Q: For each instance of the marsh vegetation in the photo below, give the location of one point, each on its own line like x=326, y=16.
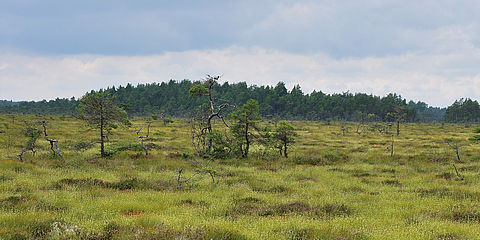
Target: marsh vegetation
x=333, y=185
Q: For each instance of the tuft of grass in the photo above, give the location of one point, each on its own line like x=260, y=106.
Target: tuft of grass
x=295, y=233
x=125, y=184
x=291, y=208
x=456, y=194
x=392, y=182
x=447, y=236
x=12, y=201
x=462, y=214
x=458, y=213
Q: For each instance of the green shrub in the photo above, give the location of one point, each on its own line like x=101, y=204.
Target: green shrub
x=474, y=138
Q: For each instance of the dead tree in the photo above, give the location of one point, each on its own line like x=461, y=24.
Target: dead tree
x=165, y=119
x=359, y=125
x=143, y=137
x=201, y=169
x=202, y=121
x=455, y=145
x=382, y=128
x=363, y=119
x=344, y=128
x=53, y=142
x=33, y=134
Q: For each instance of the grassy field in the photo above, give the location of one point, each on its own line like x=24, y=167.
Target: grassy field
x=333, y=186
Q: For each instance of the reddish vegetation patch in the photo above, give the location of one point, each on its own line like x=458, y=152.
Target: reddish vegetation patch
x=133, y=213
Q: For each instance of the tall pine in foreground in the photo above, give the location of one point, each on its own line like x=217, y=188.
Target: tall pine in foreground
x=99, y=111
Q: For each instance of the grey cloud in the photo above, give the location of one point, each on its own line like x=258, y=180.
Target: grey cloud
x=338, y=28
x=415, y=76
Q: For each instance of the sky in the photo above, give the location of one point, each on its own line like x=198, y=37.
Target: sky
x=425, y=50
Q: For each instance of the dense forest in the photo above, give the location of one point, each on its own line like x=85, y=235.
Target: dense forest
x=463, y=110
x=173, y=99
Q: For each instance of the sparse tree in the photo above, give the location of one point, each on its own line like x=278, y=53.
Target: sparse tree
x=99, y=111
x=285, y=136
x=398, y=114
x=245, y=120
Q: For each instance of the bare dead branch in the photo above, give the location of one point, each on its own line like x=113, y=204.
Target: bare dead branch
x=53, y=142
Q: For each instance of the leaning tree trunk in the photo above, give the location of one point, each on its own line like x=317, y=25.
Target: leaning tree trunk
x=24, y=150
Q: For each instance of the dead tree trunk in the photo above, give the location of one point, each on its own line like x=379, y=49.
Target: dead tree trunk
x=391, y=153
x=53, y=142
x=455, y=146
x=143, y=137
x=24, y=150
x=202, y=169
x=33, y=134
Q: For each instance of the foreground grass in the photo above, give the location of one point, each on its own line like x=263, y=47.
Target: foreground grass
x=334, y=186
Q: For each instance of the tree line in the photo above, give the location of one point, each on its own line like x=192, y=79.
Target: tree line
x=7, y=103
x=463, y=110
x=172, y=98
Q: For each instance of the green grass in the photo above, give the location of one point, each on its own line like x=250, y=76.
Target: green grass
x=333, y=186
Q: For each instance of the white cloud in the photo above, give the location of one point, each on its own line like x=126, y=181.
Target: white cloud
x=437, y=79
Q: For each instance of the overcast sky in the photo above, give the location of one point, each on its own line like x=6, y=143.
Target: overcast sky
x=423, y=50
